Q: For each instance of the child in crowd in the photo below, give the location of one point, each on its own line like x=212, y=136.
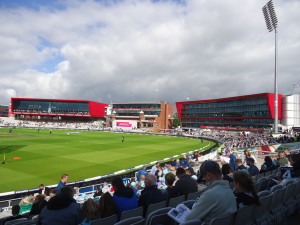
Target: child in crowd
x=107, y=205
x=244, y=189
x=89, y=212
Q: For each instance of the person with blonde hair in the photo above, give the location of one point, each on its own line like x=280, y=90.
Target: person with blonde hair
x=248, y=154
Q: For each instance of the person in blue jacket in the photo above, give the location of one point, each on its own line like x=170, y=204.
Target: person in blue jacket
x=125, y=198
x=232, y=159
x=141, y=172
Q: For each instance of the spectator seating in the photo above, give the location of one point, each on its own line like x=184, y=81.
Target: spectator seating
x=4, y=204
x=155, y=206
x=225, y=220
x=158, y=211
x=132, y=220
x=277, y=201
x=262, y=184
x=173, y=202
x=288, y=199
x=193, y=196
x=244, y=215
x=189, y=203
x=261, y=212
x=132, y=213
x=106, y=221
x=270, y=180
x=298, y=195
x=192, y=222
x=162, y=219
x=20, y=221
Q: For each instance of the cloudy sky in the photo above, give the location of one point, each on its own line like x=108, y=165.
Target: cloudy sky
x=143, y=50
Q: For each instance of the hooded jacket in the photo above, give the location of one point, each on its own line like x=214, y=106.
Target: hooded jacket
x=217, y=200
x=61, y=209
x=125, y=199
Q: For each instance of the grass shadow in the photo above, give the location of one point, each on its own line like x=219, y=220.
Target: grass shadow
x=10, y=148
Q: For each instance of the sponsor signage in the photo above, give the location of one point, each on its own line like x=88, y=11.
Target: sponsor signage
x=124, y=124
x=233, y=128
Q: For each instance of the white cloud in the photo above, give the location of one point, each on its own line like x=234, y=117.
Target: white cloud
x=203, y=49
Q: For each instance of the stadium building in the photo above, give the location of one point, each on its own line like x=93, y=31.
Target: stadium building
x=240, y=112
x=4, y=110
x=56, y=109
x=152, y=115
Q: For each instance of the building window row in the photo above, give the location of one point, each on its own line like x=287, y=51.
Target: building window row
x=232, y=114
x=51, y=107
x=228, y=109
x=241, y=102
x=136, y=106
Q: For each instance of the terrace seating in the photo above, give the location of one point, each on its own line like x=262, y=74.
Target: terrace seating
x=173, y=202
x=262, y=184
x=225, y=220
x=162, y=219
x=15, y=202
x=288, y=198
x=16, y=221
x=244, y=215
x=132, y=213
x=277, y=203
x=261, y=212
x=189, y=203
x=158, y=211
x=154, y=207
x=297, y=199
x=132, y=220
x=193, y=196
x=192, y=222
x=4, y=204
x=105, y=221
x=270, y=180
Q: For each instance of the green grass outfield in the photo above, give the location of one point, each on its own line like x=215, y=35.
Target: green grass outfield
x=42, y=158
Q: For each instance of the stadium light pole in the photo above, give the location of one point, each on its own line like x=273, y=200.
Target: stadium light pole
x=271, y=22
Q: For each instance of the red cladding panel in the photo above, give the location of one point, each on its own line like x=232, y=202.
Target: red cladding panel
x=179, y=106
x=270, y=100
x=97, y=109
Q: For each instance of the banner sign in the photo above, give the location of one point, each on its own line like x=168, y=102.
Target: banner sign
x=233, y=128
x=124, y=124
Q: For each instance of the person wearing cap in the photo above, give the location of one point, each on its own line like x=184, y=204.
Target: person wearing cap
x=217, y=200
x=253, y=170
x=225, y=158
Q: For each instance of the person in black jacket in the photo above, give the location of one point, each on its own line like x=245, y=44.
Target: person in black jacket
x=38, y=205
x=186, y=184
x=170, y=179
x=61, y=209
x=295, y=163
x=150, y=194
x=43, y=190
x=244, y=190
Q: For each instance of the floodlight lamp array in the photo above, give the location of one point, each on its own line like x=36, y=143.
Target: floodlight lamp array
x=270, y=16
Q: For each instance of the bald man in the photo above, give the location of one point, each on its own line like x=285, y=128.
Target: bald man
x=150, y=194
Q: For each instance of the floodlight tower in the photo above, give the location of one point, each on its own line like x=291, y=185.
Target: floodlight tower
x=271, y=22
